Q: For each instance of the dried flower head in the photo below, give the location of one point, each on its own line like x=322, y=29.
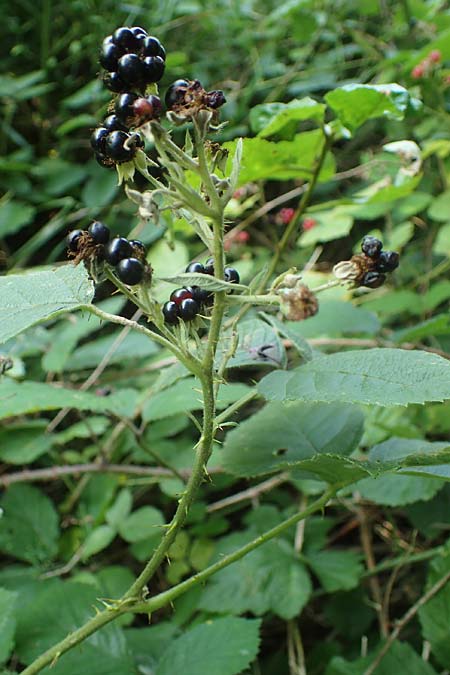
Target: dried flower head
x=298, y=302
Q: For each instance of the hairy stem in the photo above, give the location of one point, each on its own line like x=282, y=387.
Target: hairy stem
x=166, y=597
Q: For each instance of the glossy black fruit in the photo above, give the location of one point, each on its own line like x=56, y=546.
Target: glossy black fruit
x=115, y=147
x=373, y=280
x=200, y=295
x=98, y=139
x=216, y=98
x=170, y=312
x=138, y=31
x=371, y=246
x=114, y=82
x=388, y=261
x=195, y=268
x=104, y=161
x=188, y=309
x=109, y=55
x=130, y=271
x=73, y=239
x=124, y=107
x=131, y=69
x=151, y=46
x=99, y=232
x=153, y=69
x=209, y=266
x=125, y=38
x=138, y=247
x=175, y=93
x=181, y=294
x=231, y=275
x=112, y=123
x=118, y=249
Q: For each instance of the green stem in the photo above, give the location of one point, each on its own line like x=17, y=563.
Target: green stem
x=253, y=299
x=163, y=599
x=166, y=597
x=50, y=656
x=290, y=229
x=187, y=360
x=206, y=377
x=203, y=453
x=234, y=407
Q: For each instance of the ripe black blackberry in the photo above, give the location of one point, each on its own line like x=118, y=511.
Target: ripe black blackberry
x=132, y=58
x=130, y=271
x=231, y=275
x=371, y=246
x=114, y=82
x=112, y=123
x=171, y=313
x=99, y=232
x=120, y=146
x=175, y=93
x=98, y=139
x=188, y=309
x=388, y=261
x=373, y=279
x=118, y=249
x=124, y=108
x=73, y=239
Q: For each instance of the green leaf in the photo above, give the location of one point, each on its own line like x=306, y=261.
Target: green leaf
x=442, y=244
x=400, y=657
x=280, y=435
x=148, y=644
x=268, y=119
x=13, y=216
x=354, y=104
x=23, y=444
x=332, y=224
x=133, y=346
x=184, y=396
x=20, y=398
x=336, y=318
x=435, y=614
x=36, y=296
x=336, y=570
x=262, y=159
x=29, y=527
x=97, y=540
x=144, y=523
x=382, y=377
x=270, y=578
x=7, y=623
x=414, y=457
x=398, y=490
x=258, y=345
x=103, y=653
x=438, y=325
x=120, y=509
x=284, y=328
x=218, y=647
x=205, y=281
x=440, y=207
x=333, y=469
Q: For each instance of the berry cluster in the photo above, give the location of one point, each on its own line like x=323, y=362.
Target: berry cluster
x=185, y=303
x=186, y=98
x=382, y=262
x=132, y=58
x=127, y=257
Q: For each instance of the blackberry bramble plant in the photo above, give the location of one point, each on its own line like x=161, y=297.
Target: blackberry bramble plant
x=270, y=402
